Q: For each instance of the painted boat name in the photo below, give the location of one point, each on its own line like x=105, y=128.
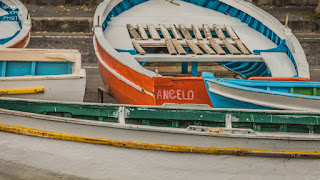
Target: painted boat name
x=175, y=94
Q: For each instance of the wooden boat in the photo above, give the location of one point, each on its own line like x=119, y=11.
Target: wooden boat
x=263, y=94
x=42, y=74
x=15, y=24
x=144, y=48
x=175, y=128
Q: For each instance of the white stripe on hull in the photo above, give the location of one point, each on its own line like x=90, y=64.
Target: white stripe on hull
x=266, y=100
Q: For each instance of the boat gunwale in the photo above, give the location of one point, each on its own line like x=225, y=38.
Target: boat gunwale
x=270, y=92
x=165, y=106
x=290, y=136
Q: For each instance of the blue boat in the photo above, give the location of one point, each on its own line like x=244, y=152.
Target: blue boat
x=272, y=95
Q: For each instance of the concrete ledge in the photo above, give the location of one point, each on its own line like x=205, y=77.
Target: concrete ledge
x=62, y=2
x=286, y=2
x=62, y=24
x=84, y=24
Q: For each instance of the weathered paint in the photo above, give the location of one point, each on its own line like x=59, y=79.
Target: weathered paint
x=258, y=120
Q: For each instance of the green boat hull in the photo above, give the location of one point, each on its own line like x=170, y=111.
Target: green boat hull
x=176, y=117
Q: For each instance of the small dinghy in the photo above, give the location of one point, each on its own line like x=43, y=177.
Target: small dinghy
x=42, y=74
x=259, y=94
x=153, y=52
x=15, y=24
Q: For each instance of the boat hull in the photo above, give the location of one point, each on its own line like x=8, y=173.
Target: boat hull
x=23, y=43
x=57, y=88
x=227, y=97
x=131, y=87
x=159, y=138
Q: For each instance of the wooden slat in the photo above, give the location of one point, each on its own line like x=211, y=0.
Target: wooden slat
x=138, y=47
x=165, y=32
x=175, y=32
x=133, y=32
x=179, y=48
x=242, y=48
x=207, y=31
x=194, y=47
x=185, y=32
x=231, y=33
x=142, y=32
x=233, y=50
x=206, y=48
x=219, y=32
x=196, y=32
x=153, y=32
x=170, y=47
x=217, y=47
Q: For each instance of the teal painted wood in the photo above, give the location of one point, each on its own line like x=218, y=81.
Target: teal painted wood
x=269, y=121
x=24, y=68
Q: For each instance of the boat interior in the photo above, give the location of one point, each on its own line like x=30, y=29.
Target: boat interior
x=10, y=24
x=183, y=39
x=35, y=62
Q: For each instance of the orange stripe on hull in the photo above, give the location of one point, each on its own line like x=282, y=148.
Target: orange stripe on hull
x=122, y=92
x=23, y=43
x=133, y=76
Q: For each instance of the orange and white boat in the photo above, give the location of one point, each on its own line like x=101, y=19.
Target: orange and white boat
x=15, y=24
x=153, y=52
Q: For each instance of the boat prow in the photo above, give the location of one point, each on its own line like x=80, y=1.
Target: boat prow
x=15, y=24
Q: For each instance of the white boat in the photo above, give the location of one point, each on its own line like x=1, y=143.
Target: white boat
x=42, y=74
x=152, y=52
x=15, y=24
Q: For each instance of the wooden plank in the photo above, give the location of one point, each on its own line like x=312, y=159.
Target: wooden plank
x=241, y=46
x=194, y=47
x=142, y=32
x=203, y=58
x=137, y=46
x=133, y=32
x=153, y=32
x=179, y=48
x=196, y=32
x=38, y=55
x=217, y=47
x=231, y=33
x=170, y=47
x=185, y=32
x=206, y=48
x=165, y=32
x=207, y=31
x=219, y=31
x=233, y=50
x=175, y=32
